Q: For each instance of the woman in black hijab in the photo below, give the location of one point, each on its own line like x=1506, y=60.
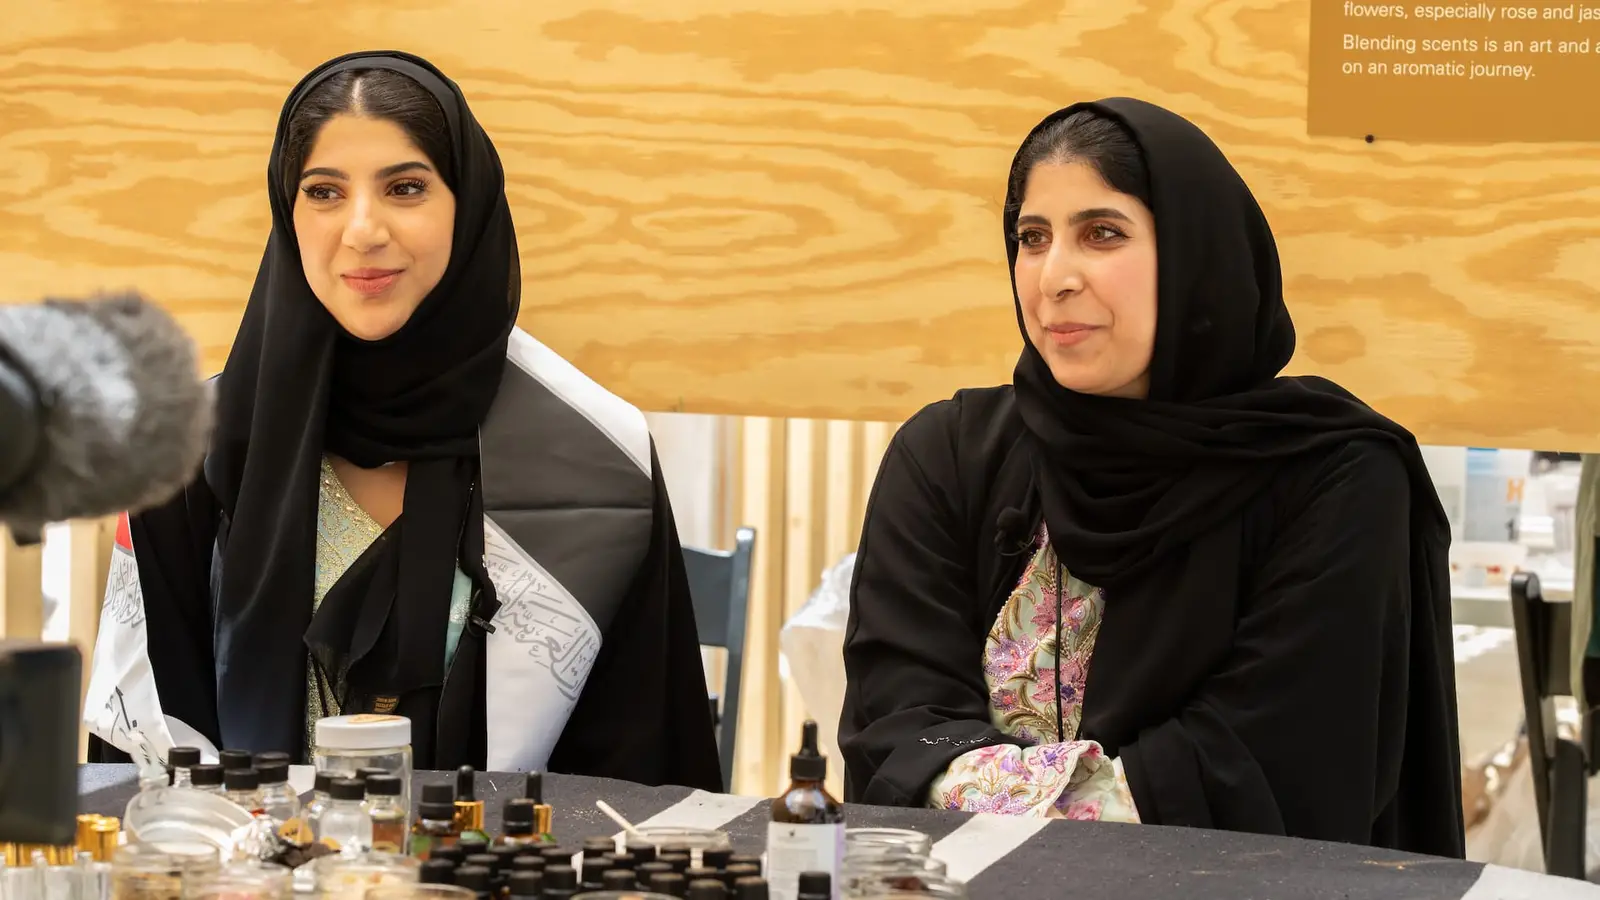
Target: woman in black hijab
x=1152, y=580
x=392, y=519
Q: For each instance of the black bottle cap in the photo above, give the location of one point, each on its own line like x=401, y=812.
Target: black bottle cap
x=535, y=788
x=750, y=889
x=234, y=759
x=678, y=848
x=700, y=873
x=594, y=868
x=245, y=779
x=556, y=856
x=438, y=802
x=736, y=871
x=716, y=859
x=474, y=878
x=618, y=880
x=383, y=786
x=624, y=860
x=437, y=871
x=347, y=789
x=473, y=847
x=528, y=885
x=815, y=885
x=707, y=889
x=745, y=859
x=518, y=817
x=466, y=784
x=678, y=861
x=809, y=764
x=647, y=869
x=643, y=852
x=206, y=775
x=485, y=860
x=453, y=855
x=269, y=757
x=273, y=772
x=322, y=783
x=507, y=854
x=598, y=845
x=562, y=878
x=183, y=757
x=670, y=883
x=528, y=863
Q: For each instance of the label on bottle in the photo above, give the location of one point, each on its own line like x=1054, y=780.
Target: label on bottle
x=792, y=849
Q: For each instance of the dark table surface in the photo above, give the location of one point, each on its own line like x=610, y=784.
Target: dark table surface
x=1016, y=858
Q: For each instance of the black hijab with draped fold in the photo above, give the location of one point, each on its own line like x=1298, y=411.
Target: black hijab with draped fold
x=295, y=386
x=1125, y=483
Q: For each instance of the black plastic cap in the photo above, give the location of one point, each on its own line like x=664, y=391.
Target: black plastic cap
x=474, y=878
x=347, y=789
x=670, y=883
x=535, y=788
x=235, y=759
x=506, y=854
x=736, y=871
x=206, y=775
x=556, y=856
x=562, y=878
x=437, y=871
x=716, y=859
x=439, y=793
x=678, y=861
x=594, y=869
x=644, y=853
x=707, y=889
x=529, y=885
x=646, y=870
x=273, y=772
x=473, y=846
x=745, y=859
x=322, y=783
x=518, y=812
x=452, y=854
x=269, y=757
x=599, y=845
x=383, y=786
x=753, y=888
x=486, y=860
x=466, y=783
x=241, y=779
x=700, y=873
x=619, y=880
x=624, y=860
x=183, y=757
x=528, y=863
x=809, y=764
x=818, y=884
x=370, y=772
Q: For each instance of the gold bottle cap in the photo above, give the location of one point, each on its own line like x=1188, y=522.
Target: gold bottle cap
x=103, y=839
x=543, y=813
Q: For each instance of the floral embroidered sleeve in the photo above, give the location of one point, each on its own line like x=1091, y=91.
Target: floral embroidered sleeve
x=1073, y=780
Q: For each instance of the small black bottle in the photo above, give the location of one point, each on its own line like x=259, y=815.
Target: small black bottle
x=476, y=879
x=707, y=889
x=670, y=883
x=815, y=886
x=527, y=885
x=750, y=889
x=619, y=880
x=437, y=871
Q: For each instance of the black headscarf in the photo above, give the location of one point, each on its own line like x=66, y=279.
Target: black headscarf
x=1125, y=483
x=296, y=385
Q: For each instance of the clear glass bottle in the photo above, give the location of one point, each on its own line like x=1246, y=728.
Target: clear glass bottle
x=243, y=786
x=180, y=760
x=389, y=825
x=318, y=804
x=436, y=821
x=346, y=825
x=278, y=799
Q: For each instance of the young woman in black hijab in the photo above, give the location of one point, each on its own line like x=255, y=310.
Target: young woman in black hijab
x=392, y=519
x=1152, y=580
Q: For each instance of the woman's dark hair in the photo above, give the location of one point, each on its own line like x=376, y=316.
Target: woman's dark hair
x=1086, y=137
x=375, y=94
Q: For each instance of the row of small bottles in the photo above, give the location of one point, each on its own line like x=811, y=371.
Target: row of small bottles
x=507, y=872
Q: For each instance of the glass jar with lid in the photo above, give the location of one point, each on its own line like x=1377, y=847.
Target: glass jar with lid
x=347, y=744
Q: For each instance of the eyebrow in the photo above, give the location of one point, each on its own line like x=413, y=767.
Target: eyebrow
x=385, y=172
x=1081, y=216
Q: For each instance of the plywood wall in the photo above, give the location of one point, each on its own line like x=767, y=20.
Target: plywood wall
x=790, y=207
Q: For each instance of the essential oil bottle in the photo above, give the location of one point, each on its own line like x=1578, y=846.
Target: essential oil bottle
x=436, y=821
x=806, y=834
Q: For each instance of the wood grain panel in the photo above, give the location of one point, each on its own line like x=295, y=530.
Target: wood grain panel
x=790, y=207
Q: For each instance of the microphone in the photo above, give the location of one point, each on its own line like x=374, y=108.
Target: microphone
x=102, y=410
x=1011, y=532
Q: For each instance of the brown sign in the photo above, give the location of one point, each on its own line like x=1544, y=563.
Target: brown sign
x=1502, y=70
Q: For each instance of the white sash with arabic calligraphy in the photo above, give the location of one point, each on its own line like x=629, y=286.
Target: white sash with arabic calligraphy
x=539, y=656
